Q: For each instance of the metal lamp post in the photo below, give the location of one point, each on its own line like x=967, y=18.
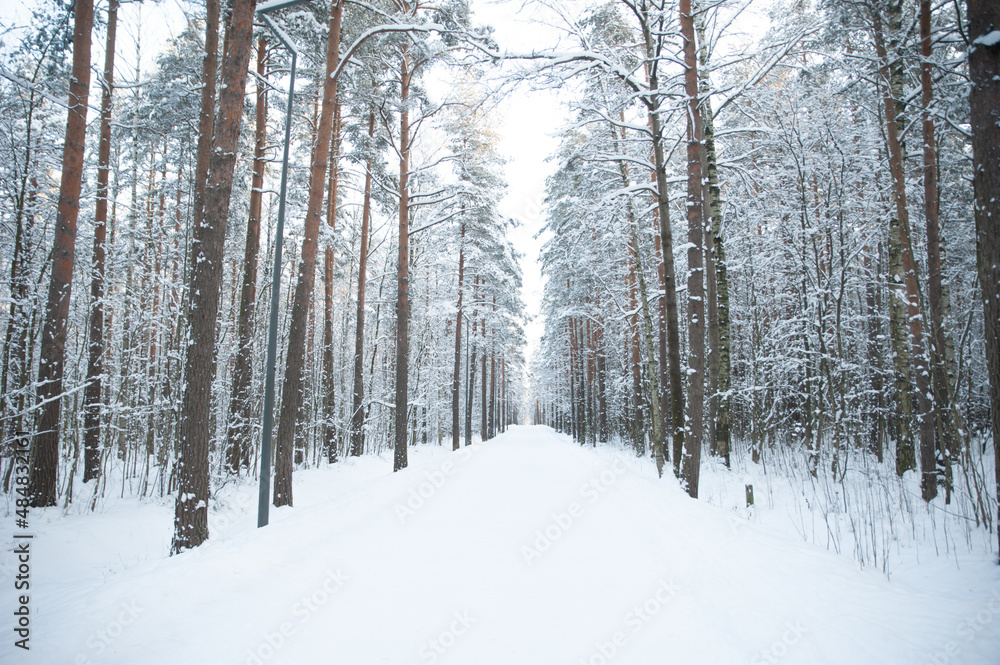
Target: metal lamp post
x=263, y=501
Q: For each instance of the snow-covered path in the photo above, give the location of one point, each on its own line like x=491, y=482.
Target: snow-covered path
x=525, y=549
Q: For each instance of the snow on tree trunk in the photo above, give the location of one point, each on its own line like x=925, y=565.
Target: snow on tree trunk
x=330, y=433
x=358, y=393
x=241, y=408
x=696, y=260
x=45, y=451
x=984, y=103
x=205, y=281
x=292, y=388
x=403, y=270
x=95, y=356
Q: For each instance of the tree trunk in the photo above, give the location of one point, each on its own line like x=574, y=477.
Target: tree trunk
x=483, y=406
x=329, y=381
x=205, y=277
x=636, y=420
x=95, y=356
x=601, y=368
x=291, y=390
x=241, y=409
x=946, y=430
x=661, y=340
x=503, y=395
x=470, y=374
x=984, y=103
x=358, y=393
x=491, y=424
x=905, y=448
x=711, y=290
x=206, y=113
x=673, y=359
x=874, y=346
x=696, y=261
x=491, y=427
x=574, y=411
x=652, y=376
x=719, y=277
x=913, y=314
x=456, y=375
x=399, y=460
x=45, y=452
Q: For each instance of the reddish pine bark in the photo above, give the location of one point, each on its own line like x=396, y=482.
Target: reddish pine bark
x=45, y=452
x=673, y=359
x=329, y=383
x=984, y=103
x=291, y=391
x=914, y=315
x=206, y=114
x=943, y=413
x=241, y=410
x=205, y=263
x=95, y=355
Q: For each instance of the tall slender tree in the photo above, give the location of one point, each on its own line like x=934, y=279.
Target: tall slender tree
x=358, y=393
x=696, y=258
x=943, y=412
x=984, y=101
x=96, y=347
x=903, y=281
x=653, y=42
x=456, y=374
x=291, y=392
x=52, y=358
x=719, y=275
x=330, y=434
x=241, y=409
x=399, y=458
x=205, y=281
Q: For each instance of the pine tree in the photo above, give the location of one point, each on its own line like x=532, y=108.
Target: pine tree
x=205, y=275
x=984, y=100
x=52, y=358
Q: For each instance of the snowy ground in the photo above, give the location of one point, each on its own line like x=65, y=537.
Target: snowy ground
x=525, y=549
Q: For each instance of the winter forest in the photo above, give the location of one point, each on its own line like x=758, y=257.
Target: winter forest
x=533, y=331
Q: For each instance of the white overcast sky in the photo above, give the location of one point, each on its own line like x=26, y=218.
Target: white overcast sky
x=526, y=120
